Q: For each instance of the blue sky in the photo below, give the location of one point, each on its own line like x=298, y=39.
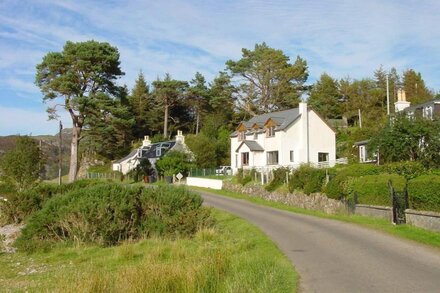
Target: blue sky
x=342, y=38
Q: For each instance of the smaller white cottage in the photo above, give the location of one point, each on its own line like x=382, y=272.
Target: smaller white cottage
x=150, y=151
x=286, y=138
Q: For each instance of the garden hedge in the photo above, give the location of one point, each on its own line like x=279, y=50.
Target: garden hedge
x=373, y=189
x=424, y=193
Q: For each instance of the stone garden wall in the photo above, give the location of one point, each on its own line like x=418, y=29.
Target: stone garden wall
x=315, y=201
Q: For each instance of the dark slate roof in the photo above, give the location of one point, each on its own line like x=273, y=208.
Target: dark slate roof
x=130, y=155
x=252, y=145
x=150, y=151
x=362, y=142
x=429, y=103
x=283, y=119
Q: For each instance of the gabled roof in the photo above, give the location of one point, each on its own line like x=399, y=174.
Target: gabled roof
x=252, y=145
x=282, y=118
x=131, y=155
x=428, y=103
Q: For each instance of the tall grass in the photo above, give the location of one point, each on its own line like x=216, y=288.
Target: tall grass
x=232, y=256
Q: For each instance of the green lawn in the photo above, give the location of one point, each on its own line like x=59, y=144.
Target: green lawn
x=234, y=256
x=419, y=235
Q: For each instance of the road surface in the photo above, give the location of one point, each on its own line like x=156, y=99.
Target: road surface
x=332, y=256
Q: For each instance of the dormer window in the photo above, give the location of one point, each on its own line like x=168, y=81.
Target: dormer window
x=270, y=131
x=241, y=136
x=255, y=135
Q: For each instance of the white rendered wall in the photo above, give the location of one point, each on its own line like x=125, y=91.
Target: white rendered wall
x=204, y=182
x=322, y=139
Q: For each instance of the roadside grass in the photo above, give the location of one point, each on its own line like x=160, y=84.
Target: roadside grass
x=233, y=256
x=409, y=232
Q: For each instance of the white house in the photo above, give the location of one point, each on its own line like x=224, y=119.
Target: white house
x=150, y=151
x=285, y=138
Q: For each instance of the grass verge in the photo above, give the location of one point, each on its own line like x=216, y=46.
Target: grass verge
x=234, y=256
x=409, y=232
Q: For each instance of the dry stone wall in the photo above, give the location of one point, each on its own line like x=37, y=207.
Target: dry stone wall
x=314, y=201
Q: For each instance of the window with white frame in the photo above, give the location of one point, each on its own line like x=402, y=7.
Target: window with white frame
x=255, y=134
x=241, y=136
x=292, y=157
x=270, y=131
x=272, y=158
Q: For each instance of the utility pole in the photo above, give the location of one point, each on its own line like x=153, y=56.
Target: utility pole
x=388, y=97
x=60, y=158
x=360, y=118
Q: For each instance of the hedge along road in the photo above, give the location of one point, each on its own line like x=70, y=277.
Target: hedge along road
x=333, y=256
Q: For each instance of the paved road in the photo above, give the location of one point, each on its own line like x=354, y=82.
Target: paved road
x=333, y=256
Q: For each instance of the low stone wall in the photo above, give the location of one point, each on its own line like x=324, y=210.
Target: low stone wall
x=422, y=219
x=315, y=201
x=204, y=182
x=374, y=211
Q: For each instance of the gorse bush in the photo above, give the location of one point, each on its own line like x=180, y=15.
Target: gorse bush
x=107, y=214
x=374, y=189
x=20, y=205
x=424, y=193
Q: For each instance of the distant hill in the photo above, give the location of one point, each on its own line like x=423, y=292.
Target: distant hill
x=49, y=145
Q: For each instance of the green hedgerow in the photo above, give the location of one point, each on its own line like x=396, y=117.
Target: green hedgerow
x=424, y=193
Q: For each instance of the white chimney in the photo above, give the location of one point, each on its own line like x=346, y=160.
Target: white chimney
x=146, y=141
x=401, y=103
x=302, y=108
x=179, y=137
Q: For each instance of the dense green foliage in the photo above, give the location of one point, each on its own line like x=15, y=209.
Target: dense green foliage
x=374, y=189
x=307, y=179
x=244, y=177
x=409, y=139
x=144, y=168
x=20, y=205
x=268, y=81
x=83, y=75
x=324, y=97
x=336, y=187
x=173, y=163
x=22, y=165
x=424, y=193
x=279, y=178
x=107, y=214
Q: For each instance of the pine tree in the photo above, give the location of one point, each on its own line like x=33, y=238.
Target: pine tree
x=325, y=97
x=415, y=89
x=141, y=103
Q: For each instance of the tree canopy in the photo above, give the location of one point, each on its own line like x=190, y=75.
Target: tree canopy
x=22, y=165
x=267, y=81
x=80, y=75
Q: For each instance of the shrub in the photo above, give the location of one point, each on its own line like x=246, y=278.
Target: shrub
x=107, y=214
x=243, y=178
x=374, y=189
x=279, y=178
x=336, y=188
x=20, y=205
x=424, y=193
x=307, y=179
x=409, y=170
x=172, y=163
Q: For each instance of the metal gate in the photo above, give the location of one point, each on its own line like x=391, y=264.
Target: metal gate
x=399, y=201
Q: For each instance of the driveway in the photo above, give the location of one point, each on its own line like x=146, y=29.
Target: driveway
x=333, y=256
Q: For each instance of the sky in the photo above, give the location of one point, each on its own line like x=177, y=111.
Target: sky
x=344, y=38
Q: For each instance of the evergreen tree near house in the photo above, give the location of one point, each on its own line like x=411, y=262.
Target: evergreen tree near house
x=78, y=78
x=267, y=81
x=325, y=97
x=198, y=98
x=415, y=88
x=141, y=104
